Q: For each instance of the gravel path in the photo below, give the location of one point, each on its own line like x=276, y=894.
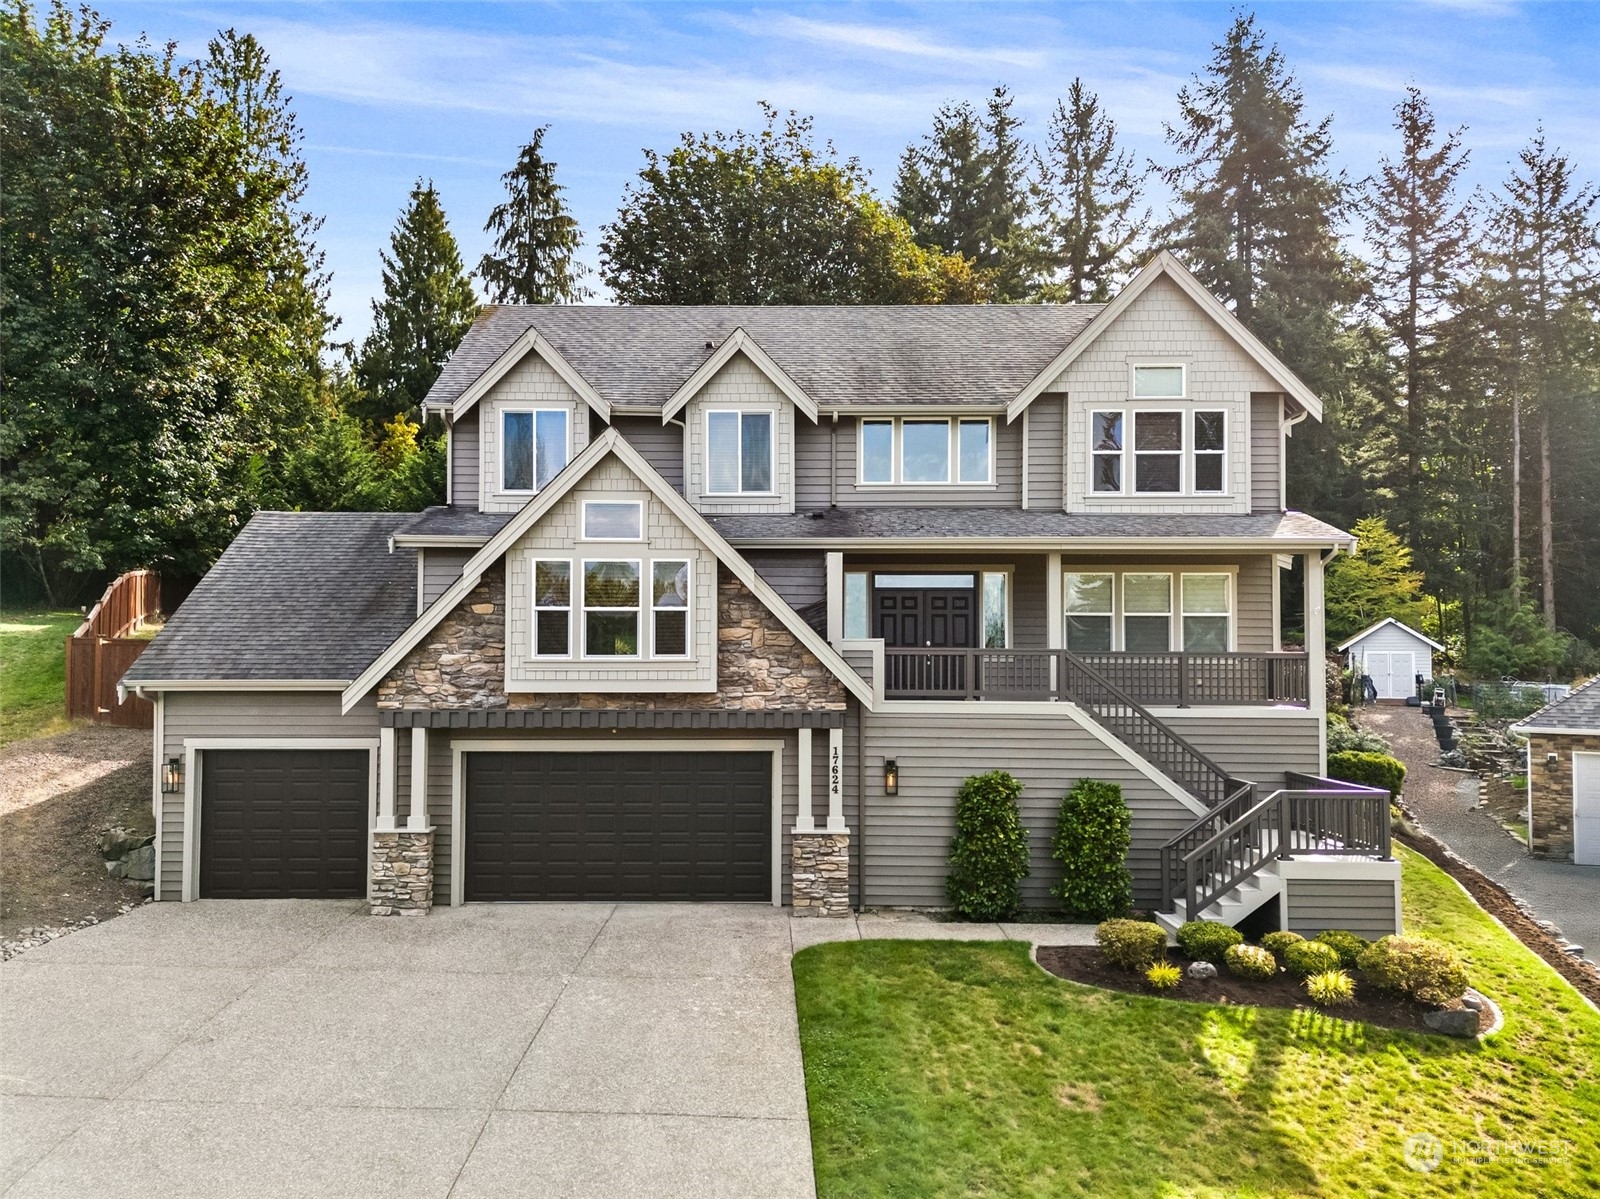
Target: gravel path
x=42, y=768
x=1443, y=803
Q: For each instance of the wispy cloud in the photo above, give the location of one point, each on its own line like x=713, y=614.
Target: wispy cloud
x=367, y=152
x=890, y=41
x=1484, y=8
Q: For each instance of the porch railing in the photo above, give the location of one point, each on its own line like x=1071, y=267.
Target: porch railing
x=1313, y=817
x=1183, y=679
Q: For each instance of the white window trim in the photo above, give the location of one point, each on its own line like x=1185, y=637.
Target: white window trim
x=1130, y=456
x=533, y=625
x=1094, y=454
x=1193, y=456
x=772, y=454
x=500, y=445
x=1163, y=364
x=1174, y=617
x=1229, y=581
x=1130, y=479
x=638, y=611
x=687, y=610
x=1011, y=591
x=897, y=452
x=583, y=520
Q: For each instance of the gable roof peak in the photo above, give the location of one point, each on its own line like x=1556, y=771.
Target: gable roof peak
x=737, y=342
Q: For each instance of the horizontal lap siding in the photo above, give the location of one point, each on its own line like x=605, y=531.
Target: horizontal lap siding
x=1047, y=455
x=800, y=577
x=908, y=835
x=440, y=568
x=1393, y=639
x=1266, y=454
x=1258, y=631
x=1259, y=748
x=660, y=445
x=1363, y=906
x=245, y=716
x=464, y=451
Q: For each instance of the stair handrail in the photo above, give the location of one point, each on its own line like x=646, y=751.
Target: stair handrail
x=1211, y=795
x=1240, y=792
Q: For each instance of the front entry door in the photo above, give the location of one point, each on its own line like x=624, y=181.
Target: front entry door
x=938, y=617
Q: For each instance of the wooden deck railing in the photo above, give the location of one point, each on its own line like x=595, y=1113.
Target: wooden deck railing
x=1181, y=679
x=99, y=652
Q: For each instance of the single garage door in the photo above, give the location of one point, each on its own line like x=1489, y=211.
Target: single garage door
x=283, y=824
x=618, y=826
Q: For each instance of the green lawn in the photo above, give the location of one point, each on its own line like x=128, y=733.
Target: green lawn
x=32, y=672
x=963, y=1069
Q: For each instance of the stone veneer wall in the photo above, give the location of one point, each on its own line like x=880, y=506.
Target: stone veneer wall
x=820, y=874
x=402, y=874
x=761, y=666
x=1550, y=833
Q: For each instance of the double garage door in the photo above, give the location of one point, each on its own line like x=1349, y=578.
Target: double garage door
x=538, y=826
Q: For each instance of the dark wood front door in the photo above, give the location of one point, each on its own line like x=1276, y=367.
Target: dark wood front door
x=925, y=616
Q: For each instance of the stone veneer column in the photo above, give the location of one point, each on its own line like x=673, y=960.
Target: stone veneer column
x=1551, y=795
x=402, y=873
x=819, y=874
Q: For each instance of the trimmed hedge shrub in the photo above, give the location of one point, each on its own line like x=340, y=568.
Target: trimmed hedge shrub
x=1094, y=830
x=989, y=853
x=1368, y=770
x=1347, y=945
x=1131, y=944
x=1250, y=961
x=1310, y=957
x=1331, y=988
x=1277, y=944
x=1208, y=941
x=1163, y=976
x=1425, y=970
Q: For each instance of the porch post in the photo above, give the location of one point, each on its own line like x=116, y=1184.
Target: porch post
x=804, y=821
x=835, y=576
x=836, y=781
x=417, y=822
x=386, y=781
x=1055, y=623
x=1317, y=653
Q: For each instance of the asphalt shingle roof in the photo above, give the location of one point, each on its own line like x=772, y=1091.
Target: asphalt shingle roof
x=298, y=595
x=1579, y=711
x=636, y=357
x=442, y=521
x=1017, y=523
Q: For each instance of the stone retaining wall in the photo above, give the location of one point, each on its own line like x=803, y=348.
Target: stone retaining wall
x=402, y=873
x=820, y=874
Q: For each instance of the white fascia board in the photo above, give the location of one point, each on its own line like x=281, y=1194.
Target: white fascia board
x=739, y=342
x=609, y=442
x=1165, y=265
x=238, y=685
x=530, y=342
x=1522, y=730
x=1037, y=545
x=439, y=540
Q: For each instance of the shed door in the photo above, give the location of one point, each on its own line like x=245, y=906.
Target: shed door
x=1393, y=673
x=1586, y=809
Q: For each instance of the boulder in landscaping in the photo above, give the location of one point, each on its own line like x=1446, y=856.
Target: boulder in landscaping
x=1202, y=970
x=1455, y=1022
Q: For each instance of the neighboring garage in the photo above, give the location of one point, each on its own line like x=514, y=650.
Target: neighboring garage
x=618, y=825
x=283, y=824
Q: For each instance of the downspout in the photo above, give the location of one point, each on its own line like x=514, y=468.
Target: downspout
x=861, y=811
x=684, y=425
x=1286, y=427
x=833, y=462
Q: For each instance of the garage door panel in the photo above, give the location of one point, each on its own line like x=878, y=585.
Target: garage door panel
x=617, y=826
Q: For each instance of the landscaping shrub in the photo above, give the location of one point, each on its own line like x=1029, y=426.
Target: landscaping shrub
x=989, y=853
x=1345, y=738
x=1346, y=944
x=1278, y=943
x=1163, y=976
x=1250, y=961
x=1368, y=770
x=1310, y=957
x=1207, y=941
x=1131, y=944
x=1094, y=829
x=1425, y=970
x=1331, y=988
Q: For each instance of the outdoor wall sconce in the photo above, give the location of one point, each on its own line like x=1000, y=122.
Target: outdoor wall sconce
x=172, y=776
x=1550, y=760
x=891, y=777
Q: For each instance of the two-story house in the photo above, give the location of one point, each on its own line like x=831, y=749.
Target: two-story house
x=726, y=602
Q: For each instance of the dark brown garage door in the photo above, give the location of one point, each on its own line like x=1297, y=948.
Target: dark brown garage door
x=618, y=826
x=283, y=824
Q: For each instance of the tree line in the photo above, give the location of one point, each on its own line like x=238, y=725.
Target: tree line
x=170, y=364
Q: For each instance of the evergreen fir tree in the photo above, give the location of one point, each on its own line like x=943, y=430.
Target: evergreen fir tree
x=965, y=189
x=1092, y=190
x=536, y=237
x=426, y=309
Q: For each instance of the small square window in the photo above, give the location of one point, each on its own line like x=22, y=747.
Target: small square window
x=1158, y=382
x=608, y=521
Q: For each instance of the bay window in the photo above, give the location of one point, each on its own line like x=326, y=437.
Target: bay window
x=739, y=453
x=919, y=451
x=534, y=446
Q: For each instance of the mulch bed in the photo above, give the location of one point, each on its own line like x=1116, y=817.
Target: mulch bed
x=1083, y=964
x=1497, y=901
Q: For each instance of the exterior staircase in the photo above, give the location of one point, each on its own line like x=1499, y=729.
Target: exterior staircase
x=1231, y=906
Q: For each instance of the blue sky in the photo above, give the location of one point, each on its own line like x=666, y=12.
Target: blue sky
x=387, y=92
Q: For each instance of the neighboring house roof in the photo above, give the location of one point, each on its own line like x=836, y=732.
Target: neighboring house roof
x=298, y=596
x=1164, y=265
x=1087, y=530
x=608, y=443
x=904, y=356
x=1576, y=712
x=1385, y=622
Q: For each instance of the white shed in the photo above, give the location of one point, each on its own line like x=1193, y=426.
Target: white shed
x=1392, y=655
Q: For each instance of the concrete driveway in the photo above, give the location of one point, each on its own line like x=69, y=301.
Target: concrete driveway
x=299, y=1048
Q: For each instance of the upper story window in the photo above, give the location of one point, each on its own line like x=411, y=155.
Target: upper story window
x=916, y=451
x=1163, y=382
x=739, y=453
x=605, y=520
x=616, y=607
x=534, y=445
x=1174, y=452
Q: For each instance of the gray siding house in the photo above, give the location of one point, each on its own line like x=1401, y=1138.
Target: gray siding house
x=726, y=602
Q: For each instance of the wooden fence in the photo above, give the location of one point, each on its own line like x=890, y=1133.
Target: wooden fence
x=100, y=652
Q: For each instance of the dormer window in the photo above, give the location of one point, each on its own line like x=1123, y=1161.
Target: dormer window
x=739, y=453
x=1159, y=382
x=535, y=444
